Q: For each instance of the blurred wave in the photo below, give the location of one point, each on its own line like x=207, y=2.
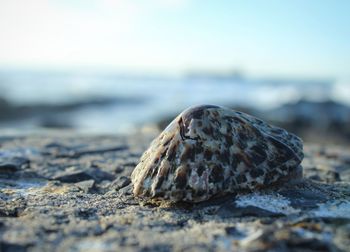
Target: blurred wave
x=110, y=103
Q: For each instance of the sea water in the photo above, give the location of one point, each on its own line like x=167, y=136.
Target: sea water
x=154, y=97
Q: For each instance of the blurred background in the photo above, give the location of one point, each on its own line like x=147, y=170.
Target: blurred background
x=115, y=66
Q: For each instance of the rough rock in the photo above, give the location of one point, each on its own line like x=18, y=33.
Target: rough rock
x=40, y=211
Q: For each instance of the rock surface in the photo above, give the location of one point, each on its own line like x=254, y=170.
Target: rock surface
x=73, y=193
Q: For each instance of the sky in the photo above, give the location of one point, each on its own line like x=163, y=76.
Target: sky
x=260, y=37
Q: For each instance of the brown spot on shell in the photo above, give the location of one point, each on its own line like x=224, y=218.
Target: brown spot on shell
x=208, y=154
x=180, y=179
x=188, y=154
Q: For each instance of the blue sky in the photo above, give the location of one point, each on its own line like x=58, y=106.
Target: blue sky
x=259, y=37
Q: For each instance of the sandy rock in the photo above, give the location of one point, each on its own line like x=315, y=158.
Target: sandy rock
x=40, y=211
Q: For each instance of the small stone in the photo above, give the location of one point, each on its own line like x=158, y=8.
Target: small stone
x=12, y=208
x=332, y=176
x=13, y=164
x=233, y=231
x=86, y=186
x=315, y=177
x=74, y=176
x=120, y=183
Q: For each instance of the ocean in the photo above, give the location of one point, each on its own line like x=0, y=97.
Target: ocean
x=136, y=100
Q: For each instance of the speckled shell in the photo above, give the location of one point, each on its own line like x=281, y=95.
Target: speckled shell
x=209, y=150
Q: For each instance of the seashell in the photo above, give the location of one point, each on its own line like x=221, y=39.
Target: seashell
x=210, y=151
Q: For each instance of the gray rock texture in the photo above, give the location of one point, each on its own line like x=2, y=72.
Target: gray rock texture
x=62, y=192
